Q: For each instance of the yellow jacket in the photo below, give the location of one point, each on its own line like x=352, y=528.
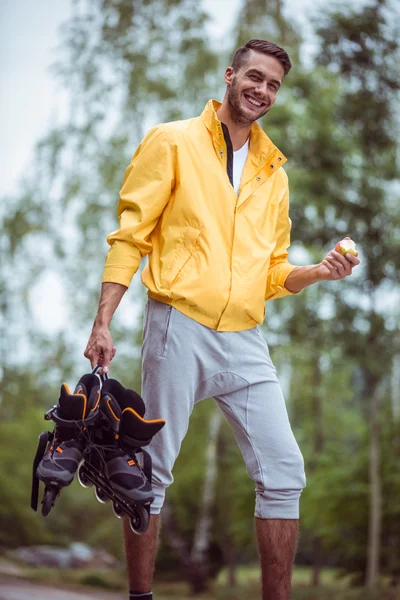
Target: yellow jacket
x=213, y=256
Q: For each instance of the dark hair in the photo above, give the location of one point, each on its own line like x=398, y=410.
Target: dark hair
x=265, y=48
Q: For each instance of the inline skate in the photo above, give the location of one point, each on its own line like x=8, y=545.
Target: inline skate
x=100, y=433
x=60, y=452
x=115, y=462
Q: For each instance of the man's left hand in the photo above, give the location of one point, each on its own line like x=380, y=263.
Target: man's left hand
x=336, y=266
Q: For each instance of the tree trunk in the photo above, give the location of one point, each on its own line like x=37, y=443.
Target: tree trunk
x=203, y=528
x=375, y=510
x=316, y=562
x=230, y=562
x=318, y=444
x=195, y=562
x=396, y=387
x=196, y=573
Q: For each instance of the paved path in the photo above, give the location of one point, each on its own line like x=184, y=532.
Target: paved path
x=22, y=590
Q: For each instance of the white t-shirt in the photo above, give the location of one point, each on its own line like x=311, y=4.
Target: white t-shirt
x=239, y=159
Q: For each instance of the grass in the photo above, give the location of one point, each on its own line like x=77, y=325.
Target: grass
x=248, y=585
x=301, y=576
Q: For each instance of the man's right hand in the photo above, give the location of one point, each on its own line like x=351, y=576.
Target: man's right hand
x=100, y=349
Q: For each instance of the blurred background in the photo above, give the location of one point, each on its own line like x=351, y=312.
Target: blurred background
x=82, y=82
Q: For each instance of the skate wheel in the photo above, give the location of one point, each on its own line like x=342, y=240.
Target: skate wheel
x=49, y=498
x=118, y=510
x=101, y=496
x=140, y=522
x=82, y=477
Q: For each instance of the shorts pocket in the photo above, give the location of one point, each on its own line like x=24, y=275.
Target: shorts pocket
x=146, y=315
x=166, y=336
x=157, y=329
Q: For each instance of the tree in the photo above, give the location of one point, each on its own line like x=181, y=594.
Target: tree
x=338, y=128
x=195, y=558
x=362, y=47
x=125, y=65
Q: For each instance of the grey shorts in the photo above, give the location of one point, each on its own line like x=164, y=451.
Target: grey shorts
x=184, y=362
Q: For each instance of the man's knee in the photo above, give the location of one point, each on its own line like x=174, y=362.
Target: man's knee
x=159, y=498
x=278, y=492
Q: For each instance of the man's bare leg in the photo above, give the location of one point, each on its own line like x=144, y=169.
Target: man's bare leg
x=141, y=551
x=277, y=544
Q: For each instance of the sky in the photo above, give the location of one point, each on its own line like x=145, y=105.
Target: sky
x=31, y=99
x=28, y=94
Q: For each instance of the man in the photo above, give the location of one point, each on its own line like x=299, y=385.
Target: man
x=207, y=200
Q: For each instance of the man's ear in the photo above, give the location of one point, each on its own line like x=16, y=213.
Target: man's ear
x=228, y=76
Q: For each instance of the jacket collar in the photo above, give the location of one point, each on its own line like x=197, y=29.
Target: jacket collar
x=262, y=151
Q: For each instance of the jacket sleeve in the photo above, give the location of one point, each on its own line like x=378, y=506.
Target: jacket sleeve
x=280, y=267
x=146, y=190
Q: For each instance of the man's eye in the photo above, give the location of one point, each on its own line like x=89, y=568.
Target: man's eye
x=254, y=77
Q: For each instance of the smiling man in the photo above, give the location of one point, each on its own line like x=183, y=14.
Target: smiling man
x=207, y=200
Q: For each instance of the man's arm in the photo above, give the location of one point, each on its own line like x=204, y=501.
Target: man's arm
x=334, y=266
x=100, y=350
x=279, y=267
x=284, y=278
x=146, y=190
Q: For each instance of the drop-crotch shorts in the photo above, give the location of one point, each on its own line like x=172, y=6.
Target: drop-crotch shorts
x=184, y=362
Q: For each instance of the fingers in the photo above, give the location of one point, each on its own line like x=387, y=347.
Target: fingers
x=337, y=265
x=105, y=359
x=342, y=263
x=329, y=264
x=353, y=259
x=92, y=353
x=340, y=266
x=100, y=349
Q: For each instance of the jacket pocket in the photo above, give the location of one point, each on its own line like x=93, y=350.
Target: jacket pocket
x=184, y=249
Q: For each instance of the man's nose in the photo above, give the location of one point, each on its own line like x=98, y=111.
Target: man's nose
x=262, y=88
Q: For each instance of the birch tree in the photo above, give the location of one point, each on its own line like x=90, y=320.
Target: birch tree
x=194, y=558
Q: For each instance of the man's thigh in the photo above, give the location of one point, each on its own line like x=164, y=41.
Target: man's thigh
x=177, y=354
x=259, y=419
x=258, y=416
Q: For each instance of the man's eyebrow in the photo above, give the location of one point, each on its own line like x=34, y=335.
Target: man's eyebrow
x=261, y=74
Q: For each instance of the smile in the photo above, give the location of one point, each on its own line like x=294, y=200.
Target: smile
x=253, y=101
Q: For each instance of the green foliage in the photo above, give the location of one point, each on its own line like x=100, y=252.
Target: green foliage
x=341, y=139
x=264, y=19
x=19, y=525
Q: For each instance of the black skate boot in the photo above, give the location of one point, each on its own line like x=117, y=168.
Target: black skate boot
x=115, y=468
x=60, y=452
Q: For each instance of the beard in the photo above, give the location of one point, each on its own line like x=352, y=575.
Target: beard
x=238, y=113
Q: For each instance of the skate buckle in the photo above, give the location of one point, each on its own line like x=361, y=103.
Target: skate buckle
x=48, y=415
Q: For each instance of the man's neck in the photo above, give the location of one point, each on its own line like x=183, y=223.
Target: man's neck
x=237, y=133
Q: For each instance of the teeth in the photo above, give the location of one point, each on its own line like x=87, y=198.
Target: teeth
x=253, y=101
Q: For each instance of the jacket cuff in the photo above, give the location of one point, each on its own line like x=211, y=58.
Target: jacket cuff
x=287, y=269
x=122, y=262
x=276, y=281
x=117, y=275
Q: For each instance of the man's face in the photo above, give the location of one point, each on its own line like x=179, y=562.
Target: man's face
x=252, y=89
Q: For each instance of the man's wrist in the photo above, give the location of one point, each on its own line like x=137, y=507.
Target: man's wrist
x=111, y=295
x=102, y=322
x=302, y=277
x=315, y=274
